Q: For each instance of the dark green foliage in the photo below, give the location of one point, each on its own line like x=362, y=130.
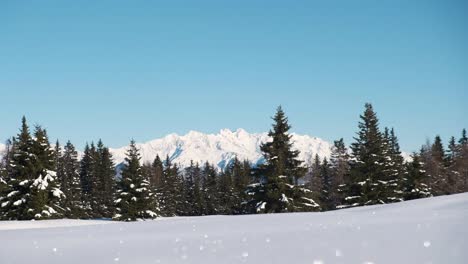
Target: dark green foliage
x=135, y=199
x=325, y=201
x=68, y=174
x=276, y=189
x=211, y=193
x=172, y=195
x=373, y=176
x=416, y=182
x=32, y=189
x=241, y=178
x=339, y=170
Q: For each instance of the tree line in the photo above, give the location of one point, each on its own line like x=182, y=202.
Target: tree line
x=41, y=181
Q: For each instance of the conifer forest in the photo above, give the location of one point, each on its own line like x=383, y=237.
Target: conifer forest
x=40, y=179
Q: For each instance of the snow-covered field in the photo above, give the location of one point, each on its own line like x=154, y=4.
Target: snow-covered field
x=430, y=230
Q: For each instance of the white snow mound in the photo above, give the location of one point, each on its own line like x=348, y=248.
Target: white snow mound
x=429, y=230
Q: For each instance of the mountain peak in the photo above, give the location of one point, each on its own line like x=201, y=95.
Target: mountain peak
x=219, y=149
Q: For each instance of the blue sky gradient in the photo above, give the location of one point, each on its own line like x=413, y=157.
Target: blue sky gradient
x=142, y=69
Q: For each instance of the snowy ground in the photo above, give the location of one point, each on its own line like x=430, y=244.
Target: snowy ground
x=431, y=230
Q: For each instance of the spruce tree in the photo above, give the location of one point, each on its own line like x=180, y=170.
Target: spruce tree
x=416, y=182
x=104, y=184
x=275, y=190
x=135, y=200
x=156, y=172
x=32, y=188
x=370, y=180
x=315, y=183
x=339, y=170
x=68, y=174
x=436, y=168
x=172, y=193
x=240, y=173
x=326, y=202
x=210, y=190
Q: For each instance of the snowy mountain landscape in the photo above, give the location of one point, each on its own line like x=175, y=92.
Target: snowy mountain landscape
x=219, y=149
x=428, y=230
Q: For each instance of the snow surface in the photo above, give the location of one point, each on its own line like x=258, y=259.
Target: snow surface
x=429, y=230
x=221, y=148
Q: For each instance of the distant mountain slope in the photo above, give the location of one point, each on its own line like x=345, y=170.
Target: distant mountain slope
x=221, y=148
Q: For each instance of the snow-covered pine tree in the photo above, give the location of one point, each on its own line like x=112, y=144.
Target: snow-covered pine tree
x=339, y=169
x=394, y=170
x=369, y=180
x=33, y=189
x=69, y=178
x=275, y=190
x=135, y=199
x=415, y=184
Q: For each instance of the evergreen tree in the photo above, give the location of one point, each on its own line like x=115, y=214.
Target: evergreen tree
x=276, y=191
x=32, y=188
x=240, y=173
x=326, y=202
x=135, y=200
x=435, y=167
x=315, y=183
x=339, y=170
x=462, y=162
x=87, y=178
x=172, y=196
x=227, y=195
x=104, y=183
x=370, y=180
x=210, y=190
x=156, y=172
x=69, y=178
x=415, y=184
x=199, y=203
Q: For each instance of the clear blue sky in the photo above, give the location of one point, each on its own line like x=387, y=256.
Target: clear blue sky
x=133, y=69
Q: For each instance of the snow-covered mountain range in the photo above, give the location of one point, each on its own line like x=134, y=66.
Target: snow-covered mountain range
x=221, y=148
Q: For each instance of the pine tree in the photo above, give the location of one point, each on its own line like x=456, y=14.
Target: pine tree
x=370, y=180
x=87, y=178
x=462, y=162
x=326, y=202
x=276, y=191
x=199, y=203
x=156, y=172
x=240, y=173
x=227, y=194
x=315, y=183
x=69, y=178
x=339, y=170
x=135, y=200
x=210, y=190
x=172, y=195
x=32, y=188
x=436, y=169
x=104, y=183
x=416, y=182
x=394, y=169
